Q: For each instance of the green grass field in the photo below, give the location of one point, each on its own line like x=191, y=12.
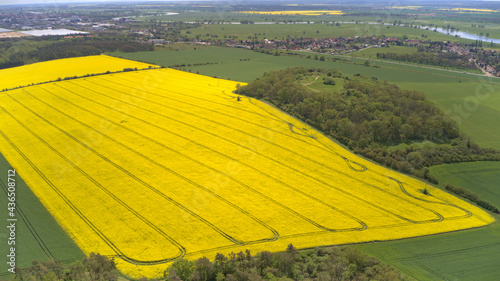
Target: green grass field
x=465, y=255
x=38, y=236
x=483, y=178
x=474, y=102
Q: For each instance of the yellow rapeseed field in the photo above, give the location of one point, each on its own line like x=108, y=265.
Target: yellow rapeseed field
x=54, y=69
x=155, y=165
x=305, y=12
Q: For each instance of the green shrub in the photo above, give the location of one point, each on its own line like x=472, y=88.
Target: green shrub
x=329, y=81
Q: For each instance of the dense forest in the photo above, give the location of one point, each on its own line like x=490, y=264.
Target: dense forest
x=371, y=117
x=30, y=51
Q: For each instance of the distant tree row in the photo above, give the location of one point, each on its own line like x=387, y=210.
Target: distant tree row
x=369, y=116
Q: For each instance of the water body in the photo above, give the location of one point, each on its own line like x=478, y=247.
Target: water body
x=465, y=35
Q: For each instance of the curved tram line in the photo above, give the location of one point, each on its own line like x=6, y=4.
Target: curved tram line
x=134, y=261
x=348, y=162
x=103, y=237
x=438, y=217
x=362, y=224
x=275, y=234
x=276, y=118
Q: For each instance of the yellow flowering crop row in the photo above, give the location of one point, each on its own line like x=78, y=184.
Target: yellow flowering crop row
x=52, y=70
x=469, y=10
x=156, y=165
x=305, y=12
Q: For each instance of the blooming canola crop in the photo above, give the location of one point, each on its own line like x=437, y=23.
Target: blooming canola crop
x=155, y=165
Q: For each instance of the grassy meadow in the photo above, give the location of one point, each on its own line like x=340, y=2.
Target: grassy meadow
x=466, y=255
x=38, y=236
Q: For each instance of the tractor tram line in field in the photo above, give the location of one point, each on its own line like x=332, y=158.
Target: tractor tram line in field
x=275, y=234
x=232, y=239
x=403, y=189
x=339, y=189
x=439, y=217
x=181, y=249
x=311, y=232
x=254, y=168
x=68, y=202
x=336, y=153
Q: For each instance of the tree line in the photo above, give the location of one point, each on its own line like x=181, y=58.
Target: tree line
x=318, y=264
x=321, y=264
x=370, y=117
